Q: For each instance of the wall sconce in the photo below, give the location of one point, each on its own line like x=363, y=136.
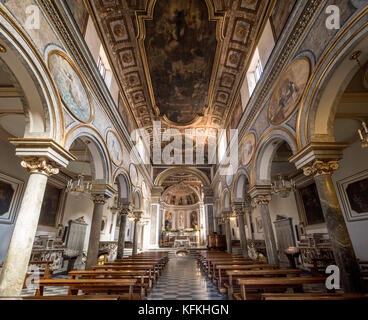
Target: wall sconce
x=282, y=187
x=363, y=134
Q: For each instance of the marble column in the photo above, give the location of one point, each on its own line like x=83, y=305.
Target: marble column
x=248, y=213
x=239, y=211
x=122, y=230
x=20, y=248
x=228, y=232
x=142, y=237
x=99, y=201
x=154, y=226
x=136, y=232
x=338, y=233
x=210, y=221
x=262, y=201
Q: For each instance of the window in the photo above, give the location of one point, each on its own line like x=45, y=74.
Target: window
x=104, y=67
x=254, y=72
x=101, y=68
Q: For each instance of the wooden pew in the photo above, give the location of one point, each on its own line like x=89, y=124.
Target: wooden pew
x=83, y=297
x=222, y=268
x=148, y=267
x=141, y=275
x=90, y=285
x=237, y=274
x=267, y=284
x=47, y=272
x=157, y=265
x=314, y=296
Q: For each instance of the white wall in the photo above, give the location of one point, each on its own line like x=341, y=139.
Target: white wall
x=9, y=165
x=92, y=40
x=278, y=206
x=355, y=161
x=77, y=207
x=284, y=207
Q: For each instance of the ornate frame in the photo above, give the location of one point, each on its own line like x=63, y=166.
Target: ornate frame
x=82, y=80
x=121, y=147
x=18, y=185
x=342, y=184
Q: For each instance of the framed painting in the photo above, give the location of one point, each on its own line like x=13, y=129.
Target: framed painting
x=311, y=205
x=10, y=196
x=50, y=206
x=289, y=90
x=353, y=192
x=259, y=224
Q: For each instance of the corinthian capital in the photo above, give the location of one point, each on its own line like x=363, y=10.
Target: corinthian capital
x=39, y=165
x=320, y=167
x=99, y=198
x=125, y=211
x=238, y=209
x=262, y=199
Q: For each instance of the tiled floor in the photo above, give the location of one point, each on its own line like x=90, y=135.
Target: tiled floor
x=183, y=280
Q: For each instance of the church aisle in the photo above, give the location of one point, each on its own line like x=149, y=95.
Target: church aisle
x=183, y=280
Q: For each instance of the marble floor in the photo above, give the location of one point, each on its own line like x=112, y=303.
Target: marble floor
x=182, y=279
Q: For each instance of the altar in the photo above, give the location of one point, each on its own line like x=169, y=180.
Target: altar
x=182, y=243
x=177, y=239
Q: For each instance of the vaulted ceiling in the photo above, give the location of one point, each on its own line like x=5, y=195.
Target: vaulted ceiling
x=181, y=62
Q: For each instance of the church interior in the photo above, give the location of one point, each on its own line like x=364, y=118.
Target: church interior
x=183, y=150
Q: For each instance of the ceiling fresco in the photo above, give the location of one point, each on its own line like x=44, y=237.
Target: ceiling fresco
x=180, y=62
x=180, y=46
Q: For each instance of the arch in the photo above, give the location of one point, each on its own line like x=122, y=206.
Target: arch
x=168, y=172
x=194, y=190
x=265, y=151
x=121, y=178
x=225, y=200
x=137, y=199
x=238, y=188
x=101, y=166
x=319, y=102
x=42, y=106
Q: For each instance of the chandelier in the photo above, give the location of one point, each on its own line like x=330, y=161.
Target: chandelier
x=282, y=187
x=79, y=186
x=363, y=134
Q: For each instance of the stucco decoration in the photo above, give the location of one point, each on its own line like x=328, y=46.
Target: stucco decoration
x=289, y=91
x=71, y=86
x=114, y=147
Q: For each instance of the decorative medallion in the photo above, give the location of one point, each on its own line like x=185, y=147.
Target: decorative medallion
x=289, y=91
x=71, y=86
x=133, y=174
x=247, y=148
x=114, y=147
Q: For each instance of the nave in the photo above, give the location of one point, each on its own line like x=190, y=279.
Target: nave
x=135, y=131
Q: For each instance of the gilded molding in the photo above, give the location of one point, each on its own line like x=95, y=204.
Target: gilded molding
x=99, y=198
x=319, y=167
x=262, y=199
x=39, y=165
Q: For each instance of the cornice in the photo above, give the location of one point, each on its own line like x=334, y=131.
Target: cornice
x=70, y=35
x=282, y=53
